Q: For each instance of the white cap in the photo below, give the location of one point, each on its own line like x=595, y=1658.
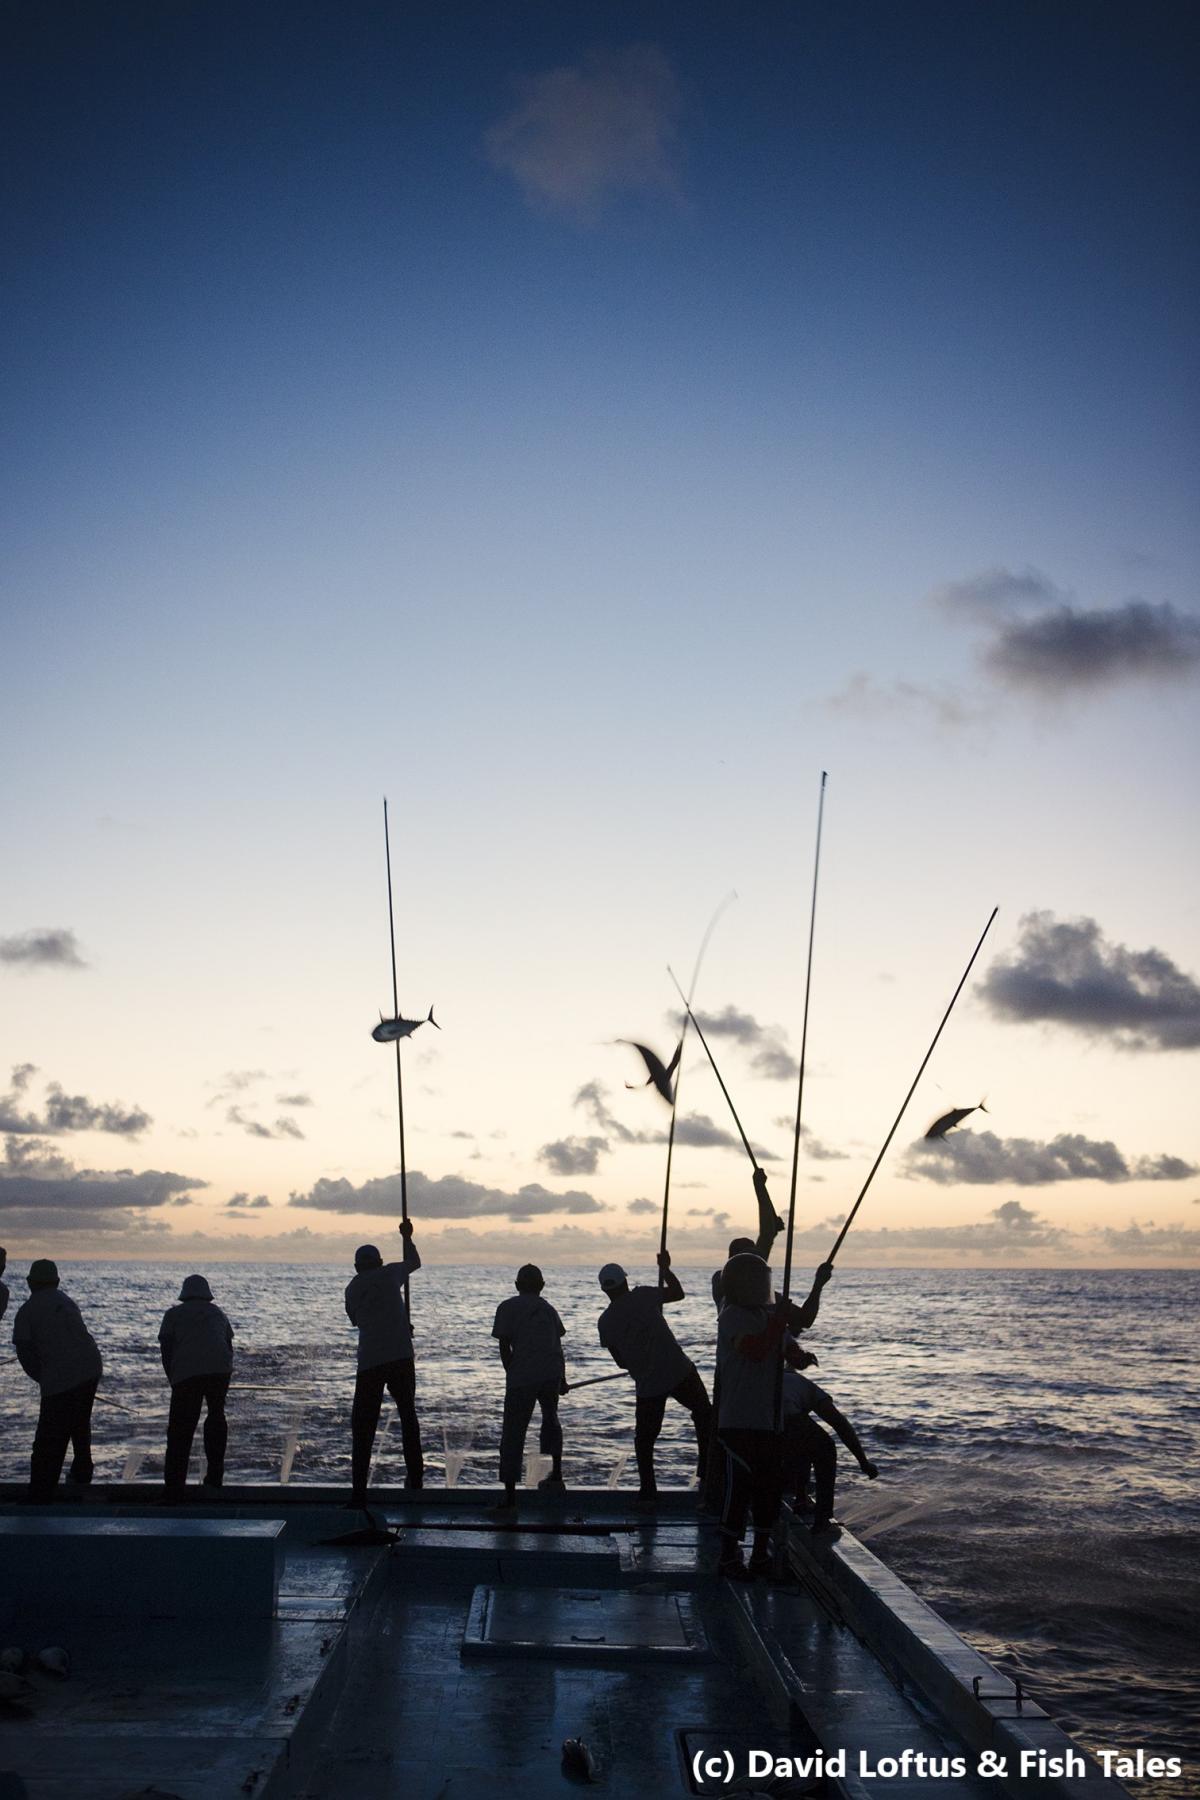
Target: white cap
x=611, y=1276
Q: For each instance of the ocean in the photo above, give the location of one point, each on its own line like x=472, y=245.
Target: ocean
x=1037, y=1434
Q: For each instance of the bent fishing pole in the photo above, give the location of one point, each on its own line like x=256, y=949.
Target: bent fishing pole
x=812, y=926
x=891, y=1134
x=662, y=1242
x=387, y=847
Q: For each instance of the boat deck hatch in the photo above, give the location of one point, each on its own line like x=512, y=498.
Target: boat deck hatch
x=584, y=1624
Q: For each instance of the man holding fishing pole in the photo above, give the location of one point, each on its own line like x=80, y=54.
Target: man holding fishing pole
x=376, y=1303
x=638, y=1338
x=530, y=1335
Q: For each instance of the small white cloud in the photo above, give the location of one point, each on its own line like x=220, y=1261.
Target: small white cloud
x=581, y=135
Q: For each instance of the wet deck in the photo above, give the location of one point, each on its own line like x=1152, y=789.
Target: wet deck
x=455, y=1661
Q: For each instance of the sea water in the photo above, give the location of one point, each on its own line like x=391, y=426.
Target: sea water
x=1037, y=1434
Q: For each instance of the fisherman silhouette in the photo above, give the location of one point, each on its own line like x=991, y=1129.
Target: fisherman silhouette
x=56, y=1349
x=195, y=1340
x=805, y=1445
x=3, y=1284
x=530, y=1333
x=375, y=1303
x=638, y=1338
x=769, y=1227
x=750, y=1334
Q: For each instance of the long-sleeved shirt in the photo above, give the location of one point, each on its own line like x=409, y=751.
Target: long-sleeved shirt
x=53, y=1344
x=375, y=1303
x=195, y=1338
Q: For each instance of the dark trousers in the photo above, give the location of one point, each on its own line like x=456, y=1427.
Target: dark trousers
x=805, y=1447
x=690, y=1392
x=400, y=1380
x=187, y=1397
x=753, y=1482
x=63, y=1419
x=519, y=1403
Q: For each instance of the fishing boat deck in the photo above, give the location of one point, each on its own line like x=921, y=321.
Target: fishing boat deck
x=457, y=1658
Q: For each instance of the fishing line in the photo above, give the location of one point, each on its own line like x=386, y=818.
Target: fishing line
x=891, y=1134
x=812, y=926
x=662, y=1242
x=712, y=1059
x=387, y=847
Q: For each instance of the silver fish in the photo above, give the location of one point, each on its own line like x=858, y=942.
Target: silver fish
x=390, y=1031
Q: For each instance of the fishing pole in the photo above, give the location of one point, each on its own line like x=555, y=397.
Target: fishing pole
x=891, y=1134
x=387, y=847
x=662, y=1242
x=594, y=1379
x=712, y=1059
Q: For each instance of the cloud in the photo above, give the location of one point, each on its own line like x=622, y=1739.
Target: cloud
x=1067, y=648
x=244, y=1200
x=1065, y=972
x=997, y=592
x=573, y=1155
x=649, y=1206
x=448, y=1197
x=36, y=1179
x=1170, y=1241
x=980, y=1158
x=810, y=1143
x=581, y=135
x=65, y=1112
x=54, y=948
x=293, y=1099
x=284, y=1127
x=769, y=1056
x=1040, y=641
x=864, y=698
x=593, y=1098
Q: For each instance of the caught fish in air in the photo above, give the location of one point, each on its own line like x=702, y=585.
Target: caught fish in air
x=390, y=1031
x=658, y=1074
x=954, y=1117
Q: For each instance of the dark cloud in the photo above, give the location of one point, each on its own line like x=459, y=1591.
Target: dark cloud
x=582, y=134
x=573, y=1155
x=1065, y=972
x=41, y=949
x=293, y=1099
x=35, y=1179
x=449, y=1197
x=695, y=1130
x=649, y=1206
x=769, y=1056
x=244, y=1200
x=980, y=1158
x=593, y=1098
x=1067, y=648
x=65, y=1112
x=287, y=1128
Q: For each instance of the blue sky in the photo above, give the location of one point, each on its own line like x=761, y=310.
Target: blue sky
x=584, y=424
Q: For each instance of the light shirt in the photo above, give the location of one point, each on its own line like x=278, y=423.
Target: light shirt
x=535, y=1331
x=197, y=1339
x=747, y=1388
x=375, y=1303
x=800, y=1395
x=633, y=1328
x=52, y=1326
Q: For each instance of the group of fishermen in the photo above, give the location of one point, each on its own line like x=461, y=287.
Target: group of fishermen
x=757, y=1440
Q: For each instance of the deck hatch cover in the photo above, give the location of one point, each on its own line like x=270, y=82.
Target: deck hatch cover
x=584, y=1624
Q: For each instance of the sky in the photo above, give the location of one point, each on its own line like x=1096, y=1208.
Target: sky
x=584, y=426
